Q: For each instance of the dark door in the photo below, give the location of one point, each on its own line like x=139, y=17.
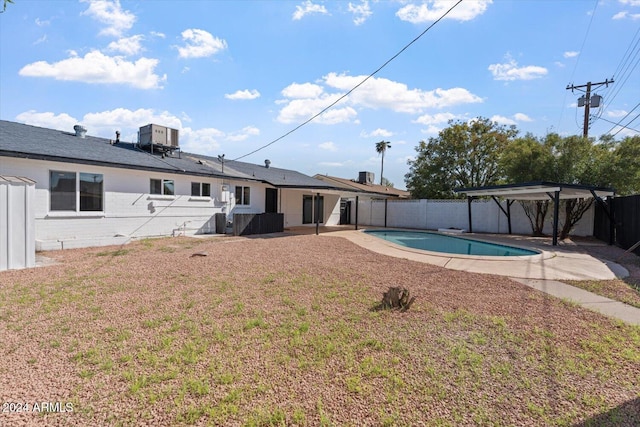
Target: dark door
x=345, y=212
x=271, y=200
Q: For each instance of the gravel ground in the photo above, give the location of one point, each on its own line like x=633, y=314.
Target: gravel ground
x=272, y=331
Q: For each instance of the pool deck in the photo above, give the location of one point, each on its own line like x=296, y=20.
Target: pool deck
x=553, y=263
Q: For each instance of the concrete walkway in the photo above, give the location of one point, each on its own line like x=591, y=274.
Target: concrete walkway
x=606, y=306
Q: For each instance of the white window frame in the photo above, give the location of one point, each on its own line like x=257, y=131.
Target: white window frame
x=241, y=196
x=77, y=210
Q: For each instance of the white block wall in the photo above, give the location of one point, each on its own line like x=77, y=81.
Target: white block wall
x=434, y=214
x=17, y=228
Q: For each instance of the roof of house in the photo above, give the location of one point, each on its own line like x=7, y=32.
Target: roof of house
x=32, y=142
x=368, y=188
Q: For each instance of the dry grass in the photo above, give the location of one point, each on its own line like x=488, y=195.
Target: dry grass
x=281, y=331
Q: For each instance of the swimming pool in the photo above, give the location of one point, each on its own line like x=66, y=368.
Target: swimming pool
x=436, y=242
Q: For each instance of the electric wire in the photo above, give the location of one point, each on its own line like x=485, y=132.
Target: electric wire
x=618, y=124
x=315, y=116
x=622, y=119
x=575, y=67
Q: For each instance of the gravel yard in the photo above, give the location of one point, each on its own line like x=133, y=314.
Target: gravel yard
x=284, y=331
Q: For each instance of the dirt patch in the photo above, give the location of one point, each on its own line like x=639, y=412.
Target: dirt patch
x=283, y=330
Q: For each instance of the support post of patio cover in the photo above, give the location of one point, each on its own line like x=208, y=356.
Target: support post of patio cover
x=469, y=200
x=556, y=212
x=385, y=212
x=507, y=212
x=357, y=198
x=317, y=213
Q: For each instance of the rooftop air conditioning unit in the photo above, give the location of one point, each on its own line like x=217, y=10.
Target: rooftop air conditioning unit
x=158, y=135
x=365, y=177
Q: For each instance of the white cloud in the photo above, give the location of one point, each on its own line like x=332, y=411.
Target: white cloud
x=41, y=23
x=128, y=121
x=158, y=34
x=49, y=120
x=306, y=100
x=383, y=133
x=244, y=134
x=329, y=146
x=570, y=54
x=127, y=45
x=625, y=14
x=431, y=130
x=307, y=8
x=361, y=12
x=201, y=141
x=336, y=164
x=521, y=117
x=110, y=13
x=630, y=2
x=435, y=119
x=95, y=67
x=503, y=120
x=200, y=44
x=243, y=94
x=41, y=40
x=510, y=71
x=430, y=10
x=302, y=91
x=384, y=93
x=559, y=64
x=616, y=113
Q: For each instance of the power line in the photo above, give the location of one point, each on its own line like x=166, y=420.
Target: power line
x=622, y=119
x=352, y=89
x=618, y=124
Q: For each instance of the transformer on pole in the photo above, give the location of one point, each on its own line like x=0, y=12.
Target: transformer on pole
x=587, y=101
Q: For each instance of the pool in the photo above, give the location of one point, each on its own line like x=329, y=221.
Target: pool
x=436, y=242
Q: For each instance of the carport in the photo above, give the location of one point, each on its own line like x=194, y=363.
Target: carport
x=542, y=190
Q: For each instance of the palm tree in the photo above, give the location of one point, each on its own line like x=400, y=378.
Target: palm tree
x=381, y=148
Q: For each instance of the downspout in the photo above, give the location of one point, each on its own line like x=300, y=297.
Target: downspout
x=357, y=198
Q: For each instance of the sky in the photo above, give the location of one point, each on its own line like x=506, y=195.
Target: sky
x=235, y=76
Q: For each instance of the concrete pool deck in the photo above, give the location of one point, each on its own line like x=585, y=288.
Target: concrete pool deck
x=553, y=263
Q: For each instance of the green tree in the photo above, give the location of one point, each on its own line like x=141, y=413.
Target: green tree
x=528, y=160
x=6, y=2
x=381, y=148
x=465, y=154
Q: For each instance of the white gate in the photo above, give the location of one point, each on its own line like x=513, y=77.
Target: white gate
x=17, y=223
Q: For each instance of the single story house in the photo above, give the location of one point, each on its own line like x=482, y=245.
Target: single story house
x=92, y=191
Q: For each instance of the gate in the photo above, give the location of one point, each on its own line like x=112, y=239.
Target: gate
x=626, y=213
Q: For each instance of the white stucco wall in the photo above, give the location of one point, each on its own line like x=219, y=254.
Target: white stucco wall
x=291, y=206
x=129, y=210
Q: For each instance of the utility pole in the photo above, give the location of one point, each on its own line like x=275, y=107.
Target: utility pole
x=587, y=101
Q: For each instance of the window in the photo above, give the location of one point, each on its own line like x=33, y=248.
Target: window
x=200, y=189
x=312, y=209
x=243, y=195
x=68, y=190
x=162, y=186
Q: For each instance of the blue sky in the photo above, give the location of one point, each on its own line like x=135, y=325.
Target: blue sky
x=233, y=76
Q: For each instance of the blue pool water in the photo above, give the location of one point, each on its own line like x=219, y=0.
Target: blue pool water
x=449, y=244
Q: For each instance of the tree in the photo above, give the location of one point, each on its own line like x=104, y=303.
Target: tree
x=381, y=148
x=465, y=154
x=6, y=2
x=527, y=160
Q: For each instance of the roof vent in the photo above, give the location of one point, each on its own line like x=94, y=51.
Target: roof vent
x=267, y=163
x=81, y=131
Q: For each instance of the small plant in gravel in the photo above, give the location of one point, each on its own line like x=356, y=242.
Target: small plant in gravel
x=397, y=298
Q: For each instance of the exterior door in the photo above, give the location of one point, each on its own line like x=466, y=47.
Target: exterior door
x=345, y=212
x=271, y=200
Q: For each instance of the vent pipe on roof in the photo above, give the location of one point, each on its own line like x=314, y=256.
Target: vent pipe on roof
x=267, y=163
x=81, y=131
x=117, y=136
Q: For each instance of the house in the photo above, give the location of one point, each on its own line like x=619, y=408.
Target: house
x=92, y=191
x=365, y=183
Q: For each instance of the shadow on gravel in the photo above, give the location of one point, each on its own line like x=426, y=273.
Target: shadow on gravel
x=627, y=414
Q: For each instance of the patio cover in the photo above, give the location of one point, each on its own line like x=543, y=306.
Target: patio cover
x=542, y=190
